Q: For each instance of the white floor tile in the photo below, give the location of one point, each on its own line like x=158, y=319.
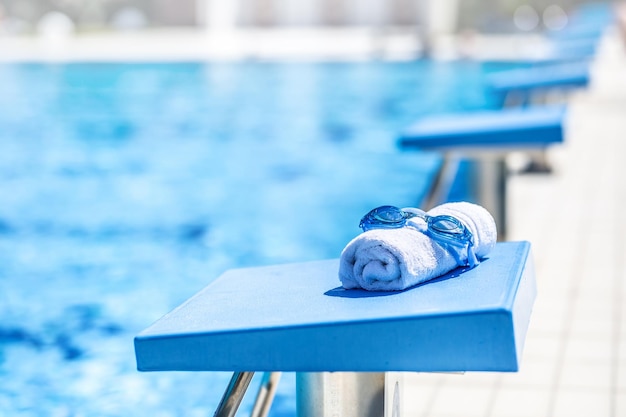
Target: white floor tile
x=596, y=350
x=620, y=405
x=621, y=377
x=534, y=373
x=418, y=398
x=591, y=328
x=521, y=402
x=581, y=403
x=595, y=376
x=546, y=347
x=463, y=401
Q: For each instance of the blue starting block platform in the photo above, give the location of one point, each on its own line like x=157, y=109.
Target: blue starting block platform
x=486, y=137
x=296, y=317
x=347, y=347
x=497, y=130
x=521, y=84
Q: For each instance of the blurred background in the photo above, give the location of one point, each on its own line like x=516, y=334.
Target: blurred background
x=390, y=29
x=399, y=29
x=19, y=17
x=148, y=146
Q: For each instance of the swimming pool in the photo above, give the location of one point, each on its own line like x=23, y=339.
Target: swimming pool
x=125, y=188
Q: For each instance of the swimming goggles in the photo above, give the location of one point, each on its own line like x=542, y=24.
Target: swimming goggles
x=446, y=230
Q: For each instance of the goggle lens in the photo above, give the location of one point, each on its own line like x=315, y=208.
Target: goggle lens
x=384, y=217
x=446, y=225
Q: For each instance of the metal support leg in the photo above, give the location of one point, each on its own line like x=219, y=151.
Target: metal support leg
x=265, y=395
x=443, y=181
x=490, y=182
x=491, y=192
x=348, y=394
x=234, y=394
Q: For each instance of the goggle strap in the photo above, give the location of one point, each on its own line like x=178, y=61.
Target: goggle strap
x=458, y=253
x=472, y=260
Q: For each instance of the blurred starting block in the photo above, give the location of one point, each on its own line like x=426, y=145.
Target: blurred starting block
x=520, y=86
x=348, y=347
x=486, y=137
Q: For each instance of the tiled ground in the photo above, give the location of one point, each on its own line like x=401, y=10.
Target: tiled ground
x=574, y=361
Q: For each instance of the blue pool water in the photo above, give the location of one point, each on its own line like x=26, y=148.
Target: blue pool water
x=124, y=189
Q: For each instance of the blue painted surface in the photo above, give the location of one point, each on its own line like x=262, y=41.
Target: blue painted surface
x=580, y=38
x=568, y=49
x=124, y=189
x=587, y=22
x=294, y=318
x=538, y=78
x=507, y=128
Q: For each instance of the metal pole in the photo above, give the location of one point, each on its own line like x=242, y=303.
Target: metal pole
x=234, y=394
x=443, y=181
x=266, y=393
x=340, y=394
x=492, y=179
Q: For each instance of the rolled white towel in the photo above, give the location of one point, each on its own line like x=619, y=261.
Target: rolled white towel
x=396, y=259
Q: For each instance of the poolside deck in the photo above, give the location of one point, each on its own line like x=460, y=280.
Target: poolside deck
x=575, y=357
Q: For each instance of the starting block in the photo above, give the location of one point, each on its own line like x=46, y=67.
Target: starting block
x=487, y=137
x=518, y=86
x=348, y=346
